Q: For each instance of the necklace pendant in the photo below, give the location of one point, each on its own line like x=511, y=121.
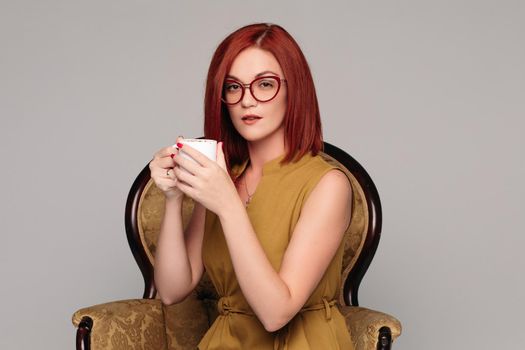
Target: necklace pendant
x=248, y=193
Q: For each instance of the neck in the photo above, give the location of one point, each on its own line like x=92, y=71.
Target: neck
x=262, y=152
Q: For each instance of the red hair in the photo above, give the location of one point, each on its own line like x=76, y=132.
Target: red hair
x=302, y=122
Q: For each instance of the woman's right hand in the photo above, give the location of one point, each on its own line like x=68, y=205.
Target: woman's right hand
x=161, y=169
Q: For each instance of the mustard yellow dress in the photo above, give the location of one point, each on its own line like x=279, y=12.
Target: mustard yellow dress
x=273, y=211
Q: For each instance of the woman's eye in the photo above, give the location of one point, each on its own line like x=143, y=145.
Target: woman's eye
x=265, y=84
x=232, y=87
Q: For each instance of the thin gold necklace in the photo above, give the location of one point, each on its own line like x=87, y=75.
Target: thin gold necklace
x=248, y=193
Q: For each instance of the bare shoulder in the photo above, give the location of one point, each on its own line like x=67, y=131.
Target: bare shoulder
x=331, y=196
x=334, y=182
x=337, y=178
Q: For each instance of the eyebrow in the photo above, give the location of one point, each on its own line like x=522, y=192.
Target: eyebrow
x=258, y=75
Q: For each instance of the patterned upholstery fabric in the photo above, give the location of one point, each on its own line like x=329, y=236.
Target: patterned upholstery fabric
x=120, y=324
x=126, y=324
x=364, y=325
x=186, y=323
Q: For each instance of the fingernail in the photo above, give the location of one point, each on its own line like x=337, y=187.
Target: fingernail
x=172, y=155
x=179, y=144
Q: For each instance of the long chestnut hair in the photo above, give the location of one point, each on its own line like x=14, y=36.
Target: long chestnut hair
x=302, y=122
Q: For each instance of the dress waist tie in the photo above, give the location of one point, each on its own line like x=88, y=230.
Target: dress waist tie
x=281, y=338
x=224, y=308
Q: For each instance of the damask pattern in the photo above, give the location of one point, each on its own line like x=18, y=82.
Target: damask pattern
x=364, y=325
x=126, y=324
x=186, y=323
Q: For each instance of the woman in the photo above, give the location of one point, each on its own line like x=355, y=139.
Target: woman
x=269, y=215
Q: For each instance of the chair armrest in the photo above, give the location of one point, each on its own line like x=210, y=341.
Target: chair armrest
x=364, y=325
x=125, y=324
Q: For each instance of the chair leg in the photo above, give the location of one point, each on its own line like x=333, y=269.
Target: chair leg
x=84, y=333
x=385, y=339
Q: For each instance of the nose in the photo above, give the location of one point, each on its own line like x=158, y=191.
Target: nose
x=248, y=100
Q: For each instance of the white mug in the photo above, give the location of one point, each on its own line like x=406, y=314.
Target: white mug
x=207, y=147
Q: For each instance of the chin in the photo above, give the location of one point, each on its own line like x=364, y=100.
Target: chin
x=252, y=138
x=253, y=134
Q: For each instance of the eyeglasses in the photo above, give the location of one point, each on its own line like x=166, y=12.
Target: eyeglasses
x=263, y=89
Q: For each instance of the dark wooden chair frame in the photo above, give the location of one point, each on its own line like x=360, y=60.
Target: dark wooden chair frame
x=352, y=282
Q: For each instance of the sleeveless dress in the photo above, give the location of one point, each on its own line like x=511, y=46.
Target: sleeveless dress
x=273, y=211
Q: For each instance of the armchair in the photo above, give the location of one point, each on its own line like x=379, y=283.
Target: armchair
x=148, y=324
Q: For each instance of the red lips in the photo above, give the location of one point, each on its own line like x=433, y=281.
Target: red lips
x=250, y=116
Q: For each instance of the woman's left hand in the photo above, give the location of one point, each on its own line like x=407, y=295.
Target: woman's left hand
x=209, y=182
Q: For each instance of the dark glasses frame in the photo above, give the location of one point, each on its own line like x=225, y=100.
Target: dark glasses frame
x=250, y=86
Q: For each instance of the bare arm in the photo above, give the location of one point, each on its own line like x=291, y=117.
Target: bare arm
x=178, y=259
x=274, y=296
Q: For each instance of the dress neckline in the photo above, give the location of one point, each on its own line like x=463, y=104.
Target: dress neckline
x=272, y=166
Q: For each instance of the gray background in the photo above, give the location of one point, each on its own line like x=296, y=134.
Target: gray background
x=428, y=96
